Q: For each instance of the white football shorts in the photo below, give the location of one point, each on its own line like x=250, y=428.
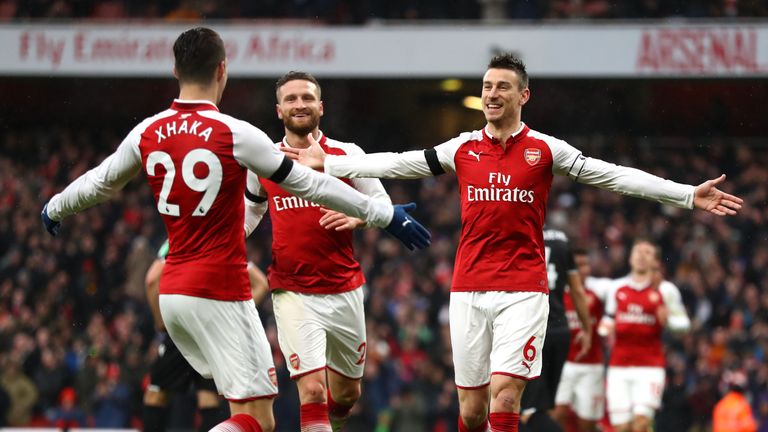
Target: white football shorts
x=634, y=391
x=316, y=331
x=223, y=340
x=497, y=332
x=582, y=387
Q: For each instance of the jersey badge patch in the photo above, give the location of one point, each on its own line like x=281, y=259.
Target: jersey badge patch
x=654, y=297
x=532, y=156
x=295, y=362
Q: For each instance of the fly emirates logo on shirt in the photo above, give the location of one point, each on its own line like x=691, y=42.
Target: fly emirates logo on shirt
x=499, y=190
x=291, y=202
x=635, y=315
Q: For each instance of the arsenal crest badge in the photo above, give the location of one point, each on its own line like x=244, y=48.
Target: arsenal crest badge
x=532, y=156
x=654, y=297
x=295, y=362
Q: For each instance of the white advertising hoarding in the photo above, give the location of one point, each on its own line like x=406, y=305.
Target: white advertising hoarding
x=601, y=50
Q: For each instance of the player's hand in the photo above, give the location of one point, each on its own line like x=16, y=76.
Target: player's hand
x=333, y=220
x=312, y=156
x=585, y=339
x=51, y=225
x=708, y=197
x=407, y=229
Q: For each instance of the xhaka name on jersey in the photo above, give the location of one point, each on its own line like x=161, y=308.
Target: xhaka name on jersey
x=499, y=193
x=171, y=129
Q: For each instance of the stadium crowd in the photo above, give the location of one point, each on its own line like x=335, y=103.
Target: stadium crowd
x=76, y=336
x=359, y=12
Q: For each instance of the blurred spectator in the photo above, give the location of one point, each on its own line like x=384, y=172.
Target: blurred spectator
x=733, y=412
x=21, y=392
x=67, y=414
x=350, y=11
x=112, y=404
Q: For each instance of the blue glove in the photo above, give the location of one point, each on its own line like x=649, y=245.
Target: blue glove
x=51, y=226
x=407, y=229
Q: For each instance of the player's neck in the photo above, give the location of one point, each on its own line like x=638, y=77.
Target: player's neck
x=300, y=141
x=503, y=129
x=640, y=277
x=198, y=92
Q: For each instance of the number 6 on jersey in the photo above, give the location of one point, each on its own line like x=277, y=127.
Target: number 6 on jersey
x=210, y=184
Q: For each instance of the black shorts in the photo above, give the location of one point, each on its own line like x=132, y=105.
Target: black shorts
x=171, y=372
x=540, y=393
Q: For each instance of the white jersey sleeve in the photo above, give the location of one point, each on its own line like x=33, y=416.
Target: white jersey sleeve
x=599, y=286
x=407, y=165
x=369, y=186
x=254, y=150
x=677, y=318
x=102, y=182
x=568, y=161
x=256, y=204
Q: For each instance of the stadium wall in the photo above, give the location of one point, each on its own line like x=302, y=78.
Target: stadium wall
x=678, y=50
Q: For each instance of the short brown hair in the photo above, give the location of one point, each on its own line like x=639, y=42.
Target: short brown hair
x=296, y=75
x=649, y=241
x=513, y=63
x=198, y=52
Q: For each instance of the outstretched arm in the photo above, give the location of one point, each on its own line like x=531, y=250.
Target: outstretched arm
x=568, y=161
x=100, y=183
x=254, y=150
x=333, y=220
x=407, y=165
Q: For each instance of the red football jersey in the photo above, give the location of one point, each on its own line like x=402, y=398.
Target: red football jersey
x=306, y=257
x=637, y=328
x=595, y=297
x=198, y=184
x=504, y=194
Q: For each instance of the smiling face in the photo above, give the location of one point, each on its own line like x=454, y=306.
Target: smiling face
x=502, y=96
x=299, y=106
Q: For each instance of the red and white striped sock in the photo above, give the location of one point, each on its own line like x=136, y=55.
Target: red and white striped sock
x=464, y=428
x=504, y=421
x=314, y=417
x=238, y=423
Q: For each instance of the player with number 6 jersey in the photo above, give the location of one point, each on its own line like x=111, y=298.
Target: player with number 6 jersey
x=195, y=159
x=499, y=308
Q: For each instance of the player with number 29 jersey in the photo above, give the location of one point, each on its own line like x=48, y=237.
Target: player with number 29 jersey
x=195, y=159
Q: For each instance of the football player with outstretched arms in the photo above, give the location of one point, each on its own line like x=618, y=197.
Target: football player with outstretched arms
x=499, y=307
